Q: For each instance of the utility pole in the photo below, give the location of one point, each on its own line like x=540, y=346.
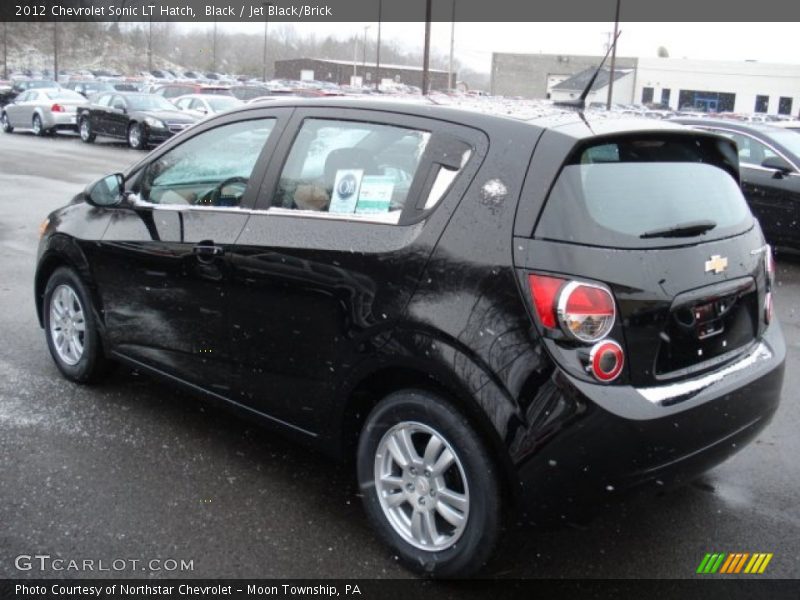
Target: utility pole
x=450, y=79
x=364, y=59
x=266, y=6
x=150, y=47
x=5, y=49
x=355, y=57
x=55, y=51
x=214, y=49
x=613, y=59
x=378, y=50
x=426, y=53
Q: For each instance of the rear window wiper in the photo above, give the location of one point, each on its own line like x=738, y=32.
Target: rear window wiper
x=689, y=229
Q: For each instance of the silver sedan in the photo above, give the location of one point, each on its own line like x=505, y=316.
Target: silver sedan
x=42, y=110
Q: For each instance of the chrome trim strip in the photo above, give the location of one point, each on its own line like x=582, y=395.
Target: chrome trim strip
x=659, y=394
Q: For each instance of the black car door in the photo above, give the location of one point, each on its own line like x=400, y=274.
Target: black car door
x=98, y=114
x=118, y=116
x=328, y=261
x=163, y=264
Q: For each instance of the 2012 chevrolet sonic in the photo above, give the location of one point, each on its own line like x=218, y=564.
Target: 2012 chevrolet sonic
x=494, y=316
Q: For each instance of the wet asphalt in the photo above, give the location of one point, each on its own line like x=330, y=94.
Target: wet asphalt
x=132, y=469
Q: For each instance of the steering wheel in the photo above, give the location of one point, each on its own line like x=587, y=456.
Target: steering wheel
x=216, y=198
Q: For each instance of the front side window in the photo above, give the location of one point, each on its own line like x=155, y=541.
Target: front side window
x=751, y=151
x=210, y=169
x=351, y=168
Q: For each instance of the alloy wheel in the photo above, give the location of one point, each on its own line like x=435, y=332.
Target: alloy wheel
x=37, y=125
x=67, y=324
x=135, y=137
x=421, y=486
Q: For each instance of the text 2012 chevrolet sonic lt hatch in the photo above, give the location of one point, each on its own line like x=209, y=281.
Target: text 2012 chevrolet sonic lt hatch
x=495, y=316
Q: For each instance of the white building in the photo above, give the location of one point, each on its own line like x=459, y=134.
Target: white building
x=718, y=86
x=714, y=86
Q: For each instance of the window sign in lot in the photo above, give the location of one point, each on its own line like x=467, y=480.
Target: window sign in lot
x=134, y=469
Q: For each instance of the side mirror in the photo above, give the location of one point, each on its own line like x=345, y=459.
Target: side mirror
x=106, y=192
x=120, y=108
x=776, y=163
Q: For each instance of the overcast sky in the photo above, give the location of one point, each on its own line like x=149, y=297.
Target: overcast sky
x=475, y=42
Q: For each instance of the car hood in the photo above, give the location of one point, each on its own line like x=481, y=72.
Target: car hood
x=173, y=116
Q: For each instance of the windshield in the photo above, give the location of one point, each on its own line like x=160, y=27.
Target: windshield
x=149, y=102
x=624, y=195
x=222, y=103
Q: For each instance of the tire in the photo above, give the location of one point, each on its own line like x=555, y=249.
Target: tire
x=67, y=308
x=470, y=484
x=85, y=130
x=136, y=137
x=6, y=124
x=38, y=128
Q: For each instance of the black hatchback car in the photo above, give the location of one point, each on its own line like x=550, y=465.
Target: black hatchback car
x=493, y=316
x=769, y=158
x=141, y=119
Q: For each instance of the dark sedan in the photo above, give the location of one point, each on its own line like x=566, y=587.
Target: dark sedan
x=469, y=306
x=141, y=119
x=769, y=159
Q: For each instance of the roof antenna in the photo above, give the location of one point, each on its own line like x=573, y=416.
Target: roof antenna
x=580, y=103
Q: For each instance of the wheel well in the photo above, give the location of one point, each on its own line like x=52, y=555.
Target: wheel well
x=379, y=384
x=45, y=270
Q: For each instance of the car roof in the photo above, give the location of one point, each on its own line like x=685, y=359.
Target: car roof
x=728, y=124
x=485, y=115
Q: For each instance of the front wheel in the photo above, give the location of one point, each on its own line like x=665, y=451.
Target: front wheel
x=136, y=137
x=6, y=123
x=429, y=485
x=71, y=328
x=85, y=129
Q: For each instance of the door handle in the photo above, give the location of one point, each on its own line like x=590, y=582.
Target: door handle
x=207, y=250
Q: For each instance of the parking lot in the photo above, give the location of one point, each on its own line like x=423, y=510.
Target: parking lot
x=132, y=469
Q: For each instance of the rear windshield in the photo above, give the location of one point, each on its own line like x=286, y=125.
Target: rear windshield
x=647, y=192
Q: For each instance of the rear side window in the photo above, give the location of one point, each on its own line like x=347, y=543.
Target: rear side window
x=351, y=168
x=647, y=192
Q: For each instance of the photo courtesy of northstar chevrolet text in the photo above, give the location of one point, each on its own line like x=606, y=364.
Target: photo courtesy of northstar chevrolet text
x=327, y=297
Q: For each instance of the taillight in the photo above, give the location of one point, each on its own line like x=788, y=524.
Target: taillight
x=586, y=311
x=544, y=290
x=606, y=360
x=57, y=108
x=583, y=311
x=769, y=268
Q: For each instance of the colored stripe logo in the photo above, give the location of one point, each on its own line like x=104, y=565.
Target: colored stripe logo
x=733, y=563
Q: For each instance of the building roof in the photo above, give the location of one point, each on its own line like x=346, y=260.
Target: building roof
x=579, y=81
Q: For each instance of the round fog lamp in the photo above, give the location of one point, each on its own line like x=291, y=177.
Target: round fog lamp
x=606, y=360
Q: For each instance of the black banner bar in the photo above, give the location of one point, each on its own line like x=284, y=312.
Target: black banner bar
x=298, y=11
x=415, y=589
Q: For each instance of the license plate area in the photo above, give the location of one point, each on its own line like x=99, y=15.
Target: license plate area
x=706, y=325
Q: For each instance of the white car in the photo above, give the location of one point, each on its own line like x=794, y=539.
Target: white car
x=42, y=110
x=205, y=105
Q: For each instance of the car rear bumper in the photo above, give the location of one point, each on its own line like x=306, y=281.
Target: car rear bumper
x=618, y=441
x=65, y=120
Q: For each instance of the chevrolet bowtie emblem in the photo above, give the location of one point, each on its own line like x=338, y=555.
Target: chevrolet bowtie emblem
x=717, y=264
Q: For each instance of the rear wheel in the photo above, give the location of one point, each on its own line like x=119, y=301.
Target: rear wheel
x=429, y=486
x=6, y=123
x=85, y=129
x=72, y=335
x=136, y=137
x=36, y=125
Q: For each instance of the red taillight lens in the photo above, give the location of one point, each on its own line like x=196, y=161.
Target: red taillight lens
x=586, y=311
x=768, y=307
x=56, y=108
x=769, y=267
x=544, y=290
x=606, y=361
